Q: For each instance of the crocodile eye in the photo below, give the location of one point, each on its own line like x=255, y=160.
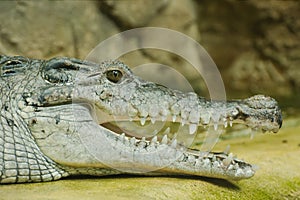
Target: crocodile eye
x=114, y=75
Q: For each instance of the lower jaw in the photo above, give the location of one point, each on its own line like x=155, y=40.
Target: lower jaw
x=164, y=156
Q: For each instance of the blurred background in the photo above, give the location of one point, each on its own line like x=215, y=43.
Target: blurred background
x=255, y=44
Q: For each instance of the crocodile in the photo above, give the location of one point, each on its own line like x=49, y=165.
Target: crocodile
x=64, y=116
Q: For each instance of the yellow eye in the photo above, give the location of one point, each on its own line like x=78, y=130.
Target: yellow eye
x=114, y=75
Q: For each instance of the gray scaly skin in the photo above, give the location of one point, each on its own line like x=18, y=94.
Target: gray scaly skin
x=60, y=117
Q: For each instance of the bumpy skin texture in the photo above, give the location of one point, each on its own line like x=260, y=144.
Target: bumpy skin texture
x=60, y=117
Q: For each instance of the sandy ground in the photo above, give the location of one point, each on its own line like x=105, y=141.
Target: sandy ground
x=278, y=177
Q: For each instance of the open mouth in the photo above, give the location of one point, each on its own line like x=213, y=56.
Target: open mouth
x=180, y=137
x=175, y=127
x=167, y=132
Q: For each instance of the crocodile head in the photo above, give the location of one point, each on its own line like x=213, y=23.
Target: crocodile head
x=102, y=119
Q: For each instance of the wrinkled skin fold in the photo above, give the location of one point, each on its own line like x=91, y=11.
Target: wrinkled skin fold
x=64, y=116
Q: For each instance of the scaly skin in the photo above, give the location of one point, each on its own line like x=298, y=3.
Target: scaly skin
x=65, y=116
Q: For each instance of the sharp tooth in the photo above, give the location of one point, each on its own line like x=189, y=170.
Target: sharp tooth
x=230, y=167
x=154, y=139
x=214, y=158
x=164, y=139
x=215, y=126
x=167, y=131
x=133, y=140
x=174, y=143
x=122, y=136
x=142, y=143
x=173, y=118
x=227, y=149
x=143, y=121
x=192, y=128
x=153, y=120
x=226, y=162
x=225, y=124
x=207, y=162
x=143, y=139
x=252, y=133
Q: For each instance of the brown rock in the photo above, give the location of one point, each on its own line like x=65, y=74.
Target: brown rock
x=255, y=43
x=45, y=29
x=128, y=13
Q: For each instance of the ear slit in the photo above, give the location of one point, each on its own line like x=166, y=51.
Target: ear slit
x=59, y=70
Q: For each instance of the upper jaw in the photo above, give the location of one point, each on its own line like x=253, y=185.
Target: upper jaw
x=258, y=112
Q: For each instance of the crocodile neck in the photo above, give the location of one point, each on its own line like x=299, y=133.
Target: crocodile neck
x=20, y=157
